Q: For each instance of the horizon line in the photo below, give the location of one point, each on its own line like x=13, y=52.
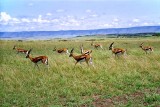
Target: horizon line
x=81, y=29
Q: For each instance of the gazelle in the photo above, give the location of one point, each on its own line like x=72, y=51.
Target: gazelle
x=117, y=51
x=63, y=50
x=43, y=59
x=97, y=45
x=147, y=49
x=85, y=51
x=19, y=50
x=81, y=58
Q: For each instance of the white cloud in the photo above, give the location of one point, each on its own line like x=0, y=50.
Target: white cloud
x=5, y=17
x=115, y=24
x=130, y=24
x=136, y=20
x=49, y=14
x=34, y=20
x=88, y=11
x=82, y=18
x=25, y=20
x=55, y=20
x=16, y=20
x=106, y=25
x=94, y=15
x=147, y=24
x=40, y=20
x=69, y=21
x=115, y=19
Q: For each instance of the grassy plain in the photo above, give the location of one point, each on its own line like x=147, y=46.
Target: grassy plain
x=113, y=80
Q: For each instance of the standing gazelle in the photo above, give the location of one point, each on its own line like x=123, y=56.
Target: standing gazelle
x=85, y=51
x=97, y=45
x=43, y=59
x=117, y=51
x=81, y=58
x=147, y=49
x=63, y=50
x=20, y=50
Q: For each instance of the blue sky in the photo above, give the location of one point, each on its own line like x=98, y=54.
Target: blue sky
x=53, y=15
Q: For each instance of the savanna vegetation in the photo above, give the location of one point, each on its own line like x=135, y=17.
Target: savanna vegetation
x=131, y=80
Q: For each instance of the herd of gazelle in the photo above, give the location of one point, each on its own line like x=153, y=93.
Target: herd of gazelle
x=85, y=55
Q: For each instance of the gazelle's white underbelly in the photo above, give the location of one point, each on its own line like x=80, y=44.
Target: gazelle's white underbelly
x=83, y=60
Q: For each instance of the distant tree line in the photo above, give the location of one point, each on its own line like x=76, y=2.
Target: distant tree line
x=137, y=35
x=156, y=34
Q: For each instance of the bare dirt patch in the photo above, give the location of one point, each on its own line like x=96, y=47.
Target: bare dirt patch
x=98, y=101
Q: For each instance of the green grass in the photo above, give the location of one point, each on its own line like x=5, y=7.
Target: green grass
x=62, y=85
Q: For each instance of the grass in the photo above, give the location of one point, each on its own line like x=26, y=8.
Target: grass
x=62, y=85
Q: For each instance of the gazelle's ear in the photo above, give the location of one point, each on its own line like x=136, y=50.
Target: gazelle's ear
x=81, y=46
x=142, y=43
x=91, y=51
x=29, y=51
x=112, y=43
x=72, y=50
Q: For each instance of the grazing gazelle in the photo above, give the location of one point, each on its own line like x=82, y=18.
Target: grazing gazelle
x=63, y=50
x=147, y=49
x=20, y=50
x=97, y=45
x=81, y=58
x=43, y=59
x=117, y=51
x=85, y=51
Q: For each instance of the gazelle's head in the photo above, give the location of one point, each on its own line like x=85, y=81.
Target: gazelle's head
x=14, y=47
x=111, y=46
x=71, y=53
x=54, y=49
x=28, y=53
x=88, y=52
x=141, y=45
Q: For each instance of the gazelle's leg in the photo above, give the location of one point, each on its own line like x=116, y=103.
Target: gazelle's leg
x=34, y=65
x=75, y=64
x=125, y=54
x=87, y=62
x=101, y=47
x=90, y=61
x=37, y=66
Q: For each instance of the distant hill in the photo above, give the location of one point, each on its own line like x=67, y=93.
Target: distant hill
x=73, y=33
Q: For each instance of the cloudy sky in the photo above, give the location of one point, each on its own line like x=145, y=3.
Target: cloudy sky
x=53, y=15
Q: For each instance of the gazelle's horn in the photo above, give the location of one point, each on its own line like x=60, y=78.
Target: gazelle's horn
x=111, y=43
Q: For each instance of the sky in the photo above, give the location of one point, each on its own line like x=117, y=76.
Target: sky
x=54, y=15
